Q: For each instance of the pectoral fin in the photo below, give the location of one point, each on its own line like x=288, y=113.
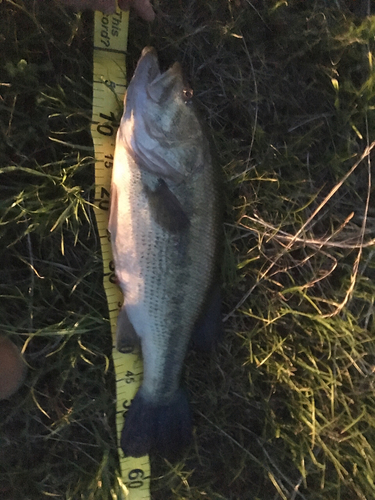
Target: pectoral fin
x=166, y=208
x=126, y=337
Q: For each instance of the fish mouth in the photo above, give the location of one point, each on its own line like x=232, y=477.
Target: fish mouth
x=147, y=68
x=149, y=80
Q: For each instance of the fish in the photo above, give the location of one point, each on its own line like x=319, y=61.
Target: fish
x=164, y=226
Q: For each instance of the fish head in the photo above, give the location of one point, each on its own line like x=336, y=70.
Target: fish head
x=159, y=127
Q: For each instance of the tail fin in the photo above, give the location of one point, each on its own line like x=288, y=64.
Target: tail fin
x=149, y=427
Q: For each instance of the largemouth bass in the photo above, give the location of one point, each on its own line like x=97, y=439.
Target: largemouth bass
x=164, y=225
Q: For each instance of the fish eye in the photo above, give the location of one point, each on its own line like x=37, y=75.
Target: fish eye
x=187, y=94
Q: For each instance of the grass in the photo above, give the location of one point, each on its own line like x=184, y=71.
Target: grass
x=285, y=409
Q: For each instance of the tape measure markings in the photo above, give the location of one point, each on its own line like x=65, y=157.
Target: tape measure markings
x=109, y=83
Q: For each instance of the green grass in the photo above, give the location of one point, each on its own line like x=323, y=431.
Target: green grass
x=285, y=409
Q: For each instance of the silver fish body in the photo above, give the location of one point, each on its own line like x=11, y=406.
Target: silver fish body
x=164, y=225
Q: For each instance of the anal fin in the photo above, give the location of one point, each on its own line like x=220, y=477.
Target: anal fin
x=127, y=339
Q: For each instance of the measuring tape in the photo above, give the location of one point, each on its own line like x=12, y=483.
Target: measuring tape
x=109, y=84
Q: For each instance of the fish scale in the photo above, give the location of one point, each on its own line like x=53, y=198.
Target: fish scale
x=162, y=272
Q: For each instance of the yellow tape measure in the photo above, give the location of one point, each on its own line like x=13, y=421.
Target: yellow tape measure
x=109, y=83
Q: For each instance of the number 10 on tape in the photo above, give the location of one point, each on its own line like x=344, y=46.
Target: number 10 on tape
x=109, y=84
